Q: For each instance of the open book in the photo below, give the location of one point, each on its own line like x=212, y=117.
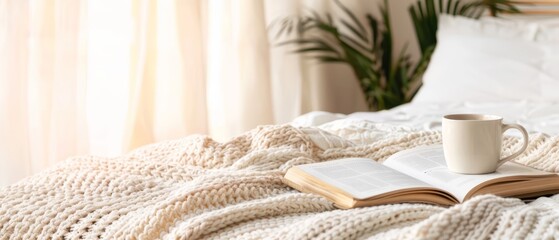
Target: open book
x=415, y=175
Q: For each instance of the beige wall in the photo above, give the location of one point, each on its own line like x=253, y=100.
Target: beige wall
x=403, y=26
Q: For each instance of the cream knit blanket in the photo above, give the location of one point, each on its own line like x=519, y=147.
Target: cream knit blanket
x=198, y=188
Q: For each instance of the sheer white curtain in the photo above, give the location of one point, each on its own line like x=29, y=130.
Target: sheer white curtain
x=101, y=77
x=42, y=84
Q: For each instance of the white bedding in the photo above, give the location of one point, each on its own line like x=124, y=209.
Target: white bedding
x=492, y=60
x=534, y=116
x=197, y=188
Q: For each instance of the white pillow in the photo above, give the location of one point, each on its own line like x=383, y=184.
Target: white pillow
x=548, y=26
x=492, y=60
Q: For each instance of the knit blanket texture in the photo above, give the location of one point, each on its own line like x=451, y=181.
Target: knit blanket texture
x=195, y=188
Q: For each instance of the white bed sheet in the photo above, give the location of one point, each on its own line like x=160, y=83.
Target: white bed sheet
x=534, y=116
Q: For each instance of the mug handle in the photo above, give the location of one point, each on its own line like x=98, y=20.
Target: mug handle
x=524, y=146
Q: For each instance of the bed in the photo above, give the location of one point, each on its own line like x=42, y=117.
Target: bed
x=196, y=187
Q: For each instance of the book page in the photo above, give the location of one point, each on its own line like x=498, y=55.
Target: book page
x=361, y=177
x=428, y=164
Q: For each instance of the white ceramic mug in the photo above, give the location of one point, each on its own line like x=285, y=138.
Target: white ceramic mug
x=472, y=142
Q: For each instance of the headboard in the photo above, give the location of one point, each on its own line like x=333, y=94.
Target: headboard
x=538, y=7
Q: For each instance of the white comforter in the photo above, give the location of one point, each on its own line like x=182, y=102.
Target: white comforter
x=534, y=116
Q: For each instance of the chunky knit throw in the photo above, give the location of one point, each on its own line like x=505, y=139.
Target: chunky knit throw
x=198, y=188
